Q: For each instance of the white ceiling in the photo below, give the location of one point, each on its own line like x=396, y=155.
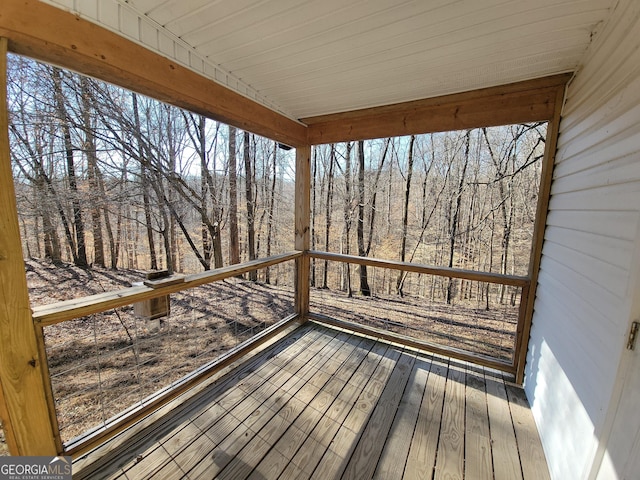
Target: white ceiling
x=311, y=57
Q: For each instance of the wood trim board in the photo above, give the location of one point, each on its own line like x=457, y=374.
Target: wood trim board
x=425, y=269
x=25, y=410
x=80, y=307
x=528, y=101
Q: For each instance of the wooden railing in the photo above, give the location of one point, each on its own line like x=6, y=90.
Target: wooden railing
x=523, y=283
x=70, y=309
x=53, y=316
x=50, y=315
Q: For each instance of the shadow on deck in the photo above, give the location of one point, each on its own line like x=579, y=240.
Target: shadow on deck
x=327, y=403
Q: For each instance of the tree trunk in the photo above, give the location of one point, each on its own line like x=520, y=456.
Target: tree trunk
x=271, y=206
x=504, y=188
x=80, y=254
x=372, y=216
x=204, y=173
x=113, y=247
x=453, y=229
x=216, y=241
x=405, y=213
x=248, y=186
x=210, y=227
x=173, y=255
x=92, y=167
x=234, y=244
x=346, y=283
x=329, y=208
x=144, y=179
x=314, y=173
x=364, y=281
x=52, y=248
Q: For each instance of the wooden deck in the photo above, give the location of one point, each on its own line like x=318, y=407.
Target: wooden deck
x=326, y=403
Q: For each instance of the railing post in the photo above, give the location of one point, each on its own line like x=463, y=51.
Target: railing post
x=544, y=196
x=23, y=402
x=302, y=229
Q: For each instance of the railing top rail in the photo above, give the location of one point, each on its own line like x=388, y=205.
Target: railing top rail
x=79, y=307
x=514, y=280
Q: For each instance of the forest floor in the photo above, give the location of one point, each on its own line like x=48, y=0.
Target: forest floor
x=102, y=364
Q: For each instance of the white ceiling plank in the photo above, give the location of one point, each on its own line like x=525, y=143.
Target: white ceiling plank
x=209, y=16
x=308, y=57
x=130, y=24
x=390, y=80
x=247, y=27
x=149, y=35
x=313, y=25
x=109, y=14
x=88, y=8
x=473, y=76
x=345, y=29
x=164, y=11
x=362, y=50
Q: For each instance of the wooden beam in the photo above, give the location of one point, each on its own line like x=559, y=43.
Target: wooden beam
x=302, y=226
x=528, y=101
x=50, y=34
x=544, y=195
x=425, y=269
x=80, y=307
x=25, y=412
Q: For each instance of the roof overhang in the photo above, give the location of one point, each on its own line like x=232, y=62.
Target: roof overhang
x=51, y=34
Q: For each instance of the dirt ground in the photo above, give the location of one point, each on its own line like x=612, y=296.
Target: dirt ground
x=102, y=364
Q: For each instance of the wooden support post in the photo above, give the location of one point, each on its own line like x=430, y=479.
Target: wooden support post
x=553, y=129
x=24, y=409
x=303, y=233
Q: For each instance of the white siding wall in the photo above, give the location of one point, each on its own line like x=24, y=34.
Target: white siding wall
x=582, y=309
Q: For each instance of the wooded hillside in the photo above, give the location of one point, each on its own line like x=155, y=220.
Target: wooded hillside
x=110, y=178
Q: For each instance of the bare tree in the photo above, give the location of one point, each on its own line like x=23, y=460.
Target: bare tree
x=92, y=172
x=405, y=211
x=80, y=251
x=328, y=210
x=271, y=207
x=144, y=180
x=364, y=283
x=453, y=227
x=347, y=212
x=234, y=245
x=248, y=183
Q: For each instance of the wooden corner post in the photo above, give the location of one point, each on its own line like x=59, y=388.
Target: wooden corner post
x=544, y=195
x=23, y=402
x=302, y=221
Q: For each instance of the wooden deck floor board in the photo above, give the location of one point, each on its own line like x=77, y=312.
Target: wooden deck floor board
x=245, y=406
x=348, y=388
x=266, y=406
x=506, y=461
x=394, y=455
x=335, y=460
x=424, y=446
x=478, y=461
x=529, y=447
x=272, y=464
x=450, y=459
x=330, y=404
x=363, y=461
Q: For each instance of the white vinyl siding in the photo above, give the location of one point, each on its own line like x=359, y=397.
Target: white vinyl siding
x=582, y=307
